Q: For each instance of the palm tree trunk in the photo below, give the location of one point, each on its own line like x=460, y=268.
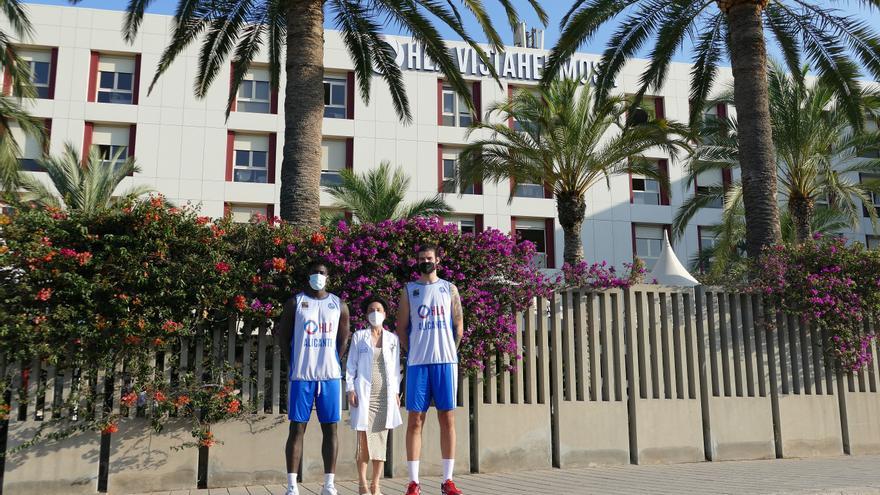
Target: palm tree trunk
x=571, y=208
x=801, y=210
x=303, y=114
x=748, y=60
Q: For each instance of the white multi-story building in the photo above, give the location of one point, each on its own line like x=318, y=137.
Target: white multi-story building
x=93, y=91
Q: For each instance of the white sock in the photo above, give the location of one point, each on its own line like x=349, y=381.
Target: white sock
x=414, y=471
x=291, y=482
x=328, y=479
x=448, y=466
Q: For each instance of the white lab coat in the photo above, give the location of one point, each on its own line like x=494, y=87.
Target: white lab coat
x=359, y=374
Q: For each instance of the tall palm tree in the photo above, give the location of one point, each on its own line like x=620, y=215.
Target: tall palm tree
x=735, y=28
x=378, y=195
x=294, y=31
x=817, y=154
x=568, y=142
x=88, y=187
x=11, y=111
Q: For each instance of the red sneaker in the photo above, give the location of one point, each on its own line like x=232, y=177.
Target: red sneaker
x=413, y=488
x=448, y=488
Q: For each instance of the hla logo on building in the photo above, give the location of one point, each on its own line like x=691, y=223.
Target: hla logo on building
x=527, y=66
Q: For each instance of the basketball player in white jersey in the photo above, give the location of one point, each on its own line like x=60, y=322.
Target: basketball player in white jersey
x=430, y=325
x=313, y=331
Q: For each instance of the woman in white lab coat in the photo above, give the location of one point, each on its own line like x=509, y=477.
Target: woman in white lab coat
x=372, y=381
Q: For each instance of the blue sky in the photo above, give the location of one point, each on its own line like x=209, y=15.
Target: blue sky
x=555, y=9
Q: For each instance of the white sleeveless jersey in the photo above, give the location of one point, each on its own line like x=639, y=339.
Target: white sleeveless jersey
x=431, y=333
x=313, y=354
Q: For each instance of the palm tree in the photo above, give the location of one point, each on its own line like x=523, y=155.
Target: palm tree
x=294, y=30
x=564, y=142
x=817, y=154
x=87, y=187
x=735, y=28
x=11, y=111
x=377, y=195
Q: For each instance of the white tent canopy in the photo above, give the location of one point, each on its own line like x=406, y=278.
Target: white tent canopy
x=668, y=270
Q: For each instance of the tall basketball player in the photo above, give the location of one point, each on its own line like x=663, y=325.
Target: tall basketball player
x=430, y=325
x=313, y=332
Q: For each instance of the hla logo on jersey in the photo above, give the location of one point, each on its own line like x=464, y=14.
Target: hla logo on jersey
x=312, y=327
x=511, y=64
x=439, y=320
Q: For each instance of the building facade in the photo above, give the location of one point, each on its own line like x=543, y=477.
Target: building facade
x=93, y=90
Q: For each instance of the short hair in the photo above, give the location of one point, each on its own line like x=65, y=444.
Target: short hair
x=429, y=247
x=372, y=299
x=315, y=263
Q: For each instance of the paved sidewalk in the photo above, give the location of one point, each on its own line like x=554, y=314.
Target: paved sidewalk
x=838, y=475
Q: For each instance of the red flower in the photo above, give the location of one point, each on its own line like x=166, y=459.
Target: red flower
x=207, y=439
x=158, y=342
x=44, y=294
x=240, y=302
x=157, y=200
x=182, y=401
x=46, y=241
x=39, y=320
x=233, y=407
x=129, y=399
x=256, y=279
x=318, y=238
x=171, y=326
x=132, y=340
x=202, y=220
x=222, y=267
x=276, y=241
x=110, y=428
x=159, y=396
x=4, y=411
x=84, y=258
x=279, y=264
x=67, y=252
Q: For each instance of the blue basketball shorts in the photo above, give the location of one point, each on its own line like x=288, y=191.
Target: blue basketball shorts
x=427, y=383
x=325, y=395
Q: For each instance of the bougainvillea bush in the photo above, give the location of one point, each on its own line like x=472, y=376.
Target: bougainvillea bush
x=127, y=285
x=828, y=283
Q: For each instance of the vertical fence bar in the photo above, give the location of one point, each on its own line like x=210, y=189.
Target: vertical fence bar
x=578, y=317
x=542, y=350
x=694, y=339
x=653, y=344
x=748, y=334
x=529, y=358
x=199, y=357
x=873, y=365
x=556, y=353
x=816, y=350
x=665, y=347
x=641, y=349
x=760, y=343
x=794, y=354
x=724, y=328
x=711, y=332
x=516, y=384
x=261, y=369
x=805, y=348
x=33, y=388
x=598, y=337
x=736, y=342
x=784, y=366
x=636, y=387
x=567, y=356
x=231, y=334
x=679, y=345
x=49, y=411
x=614, y=308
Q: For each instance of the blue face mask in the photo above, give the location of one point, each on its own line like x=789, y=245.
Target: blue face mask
x=317, y=281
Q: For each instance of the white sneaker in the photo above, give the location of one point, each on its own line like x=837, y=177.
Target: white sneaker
x=329, y=490
x=292, y=490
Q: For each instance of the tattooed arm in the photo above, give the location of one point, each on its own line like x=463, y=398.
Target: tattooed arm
x=457, y=314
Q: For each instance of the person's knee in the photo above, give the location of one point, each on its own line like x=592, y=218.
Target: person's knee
x=446, y=418
x=416, y=420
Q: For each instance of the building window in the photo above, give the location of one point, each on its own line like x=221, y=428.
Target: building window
x=243, y=213
x=251, y=162
x=455, y=111
x=645, y=190
x=648, y=243
x=513, y=123
x=40, y=67
x=871, y=126
x=254, y=93
x=29, y=146
x=112, y=144
x=875, y=198
x=335, y=97
x=707, y=180
x=528, y=191
x=872, y=241
x=540, y=233
x=466, y=225
x=651, y=107
x=116, y=78
x=449, y=170
x=334, y=158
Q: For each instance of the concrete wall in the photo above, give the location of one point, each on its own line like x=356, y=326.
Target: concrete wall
x=705, y=381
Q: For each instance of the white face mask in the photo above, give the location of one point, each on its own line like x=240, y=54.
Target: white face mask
x=376, y=318
x=318, y=281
